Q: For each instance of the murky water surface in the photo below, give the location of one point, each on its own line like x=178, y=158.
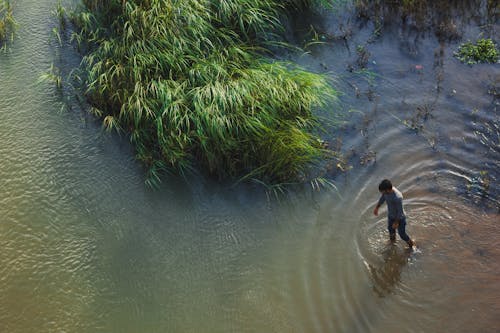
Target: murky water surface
x=85, y=247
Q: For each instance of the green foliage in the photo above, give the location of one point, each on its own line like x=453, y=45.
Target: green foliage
x=60, y=14
x=53, y=75
x=7, y=23
x=483, y=51
x=188, y=80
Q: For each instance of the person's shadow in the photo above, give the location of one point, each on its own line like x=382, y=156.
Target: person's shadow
x=387, y=276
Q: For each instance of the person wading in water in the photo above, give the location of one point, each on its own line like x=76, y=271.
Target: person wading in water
x=395, y=213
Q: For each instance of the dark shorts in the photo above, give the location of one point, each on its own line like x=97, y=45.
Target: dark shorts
x=401, y=228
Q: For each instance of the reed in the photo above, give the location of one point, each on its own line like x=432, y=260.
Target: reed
x=7, y=23
x=53, y=75
x=190, y=82
x=60, y=13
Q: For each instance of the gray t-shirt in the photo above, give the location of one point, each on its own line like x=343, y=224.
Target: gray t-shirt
x=394, y=204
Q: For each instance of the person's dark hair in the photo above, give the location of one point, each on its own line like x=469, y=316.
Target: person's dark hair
x=385, y=185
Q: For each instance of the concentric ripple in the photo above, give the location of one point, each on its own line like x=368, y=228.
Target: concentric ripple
x=86, y=247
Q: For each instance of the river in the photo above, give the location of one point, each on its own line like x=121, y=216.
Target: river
x=86, y=247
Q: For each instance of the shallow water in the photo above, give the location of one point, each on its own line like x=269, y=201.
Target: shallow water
x=85, y=247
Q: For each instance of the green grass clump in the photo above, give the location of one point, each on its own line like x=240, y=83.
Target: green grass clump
x=60, y=13
x=190, y=82
x=7, y=23
x=483, y=51
x=53, y=75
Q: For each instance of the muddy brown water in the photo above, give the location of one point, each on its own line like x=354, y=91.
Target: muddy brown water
x=85, y=247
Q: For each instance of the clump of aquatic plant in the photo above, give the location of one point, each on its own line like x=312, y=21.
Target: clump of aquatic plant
x=446, y=19
x=57, y=35
x=7, y=22
x=190, y=82
x=483, y=51
x=53, y=75
x=60, y=13
x=363, y=56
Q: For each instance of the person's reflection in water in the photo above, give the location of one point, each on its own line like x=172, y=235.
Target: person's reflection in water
x=387, y=276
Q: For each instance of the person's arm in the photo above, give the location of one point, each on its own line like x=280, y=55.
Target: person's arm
x=379, y=203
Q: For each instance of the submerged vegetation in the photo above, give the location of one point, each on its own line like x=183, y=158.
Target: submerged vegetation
x=484, y=51
x=53, y=75
x=7, y=23
x=446, y=19
x=193, y=84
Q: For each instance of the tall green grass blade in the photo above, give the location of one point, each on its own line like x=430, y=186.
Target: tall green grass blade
x=189, y=80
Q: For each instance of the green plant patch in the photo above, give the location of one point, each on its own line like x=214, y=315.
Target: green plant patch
x=191, y=83
x=484, y=51
x=7, y=23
